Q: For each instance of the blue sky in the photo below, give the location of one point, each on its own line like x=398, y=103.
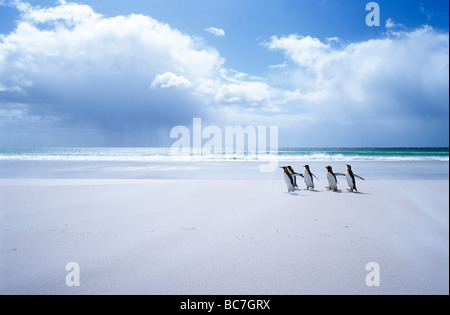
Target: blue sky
x=123, y=73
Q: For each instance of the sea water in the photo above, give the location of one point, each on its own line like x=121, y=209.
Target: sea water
x=162, y=163
x=284, y=154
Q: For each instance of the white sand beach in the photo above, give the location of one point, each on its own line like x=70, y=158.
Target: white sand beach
x=241, y=236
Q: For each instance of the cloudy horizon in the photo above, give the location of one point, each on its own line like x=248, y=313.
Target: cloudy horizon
x=74, y=74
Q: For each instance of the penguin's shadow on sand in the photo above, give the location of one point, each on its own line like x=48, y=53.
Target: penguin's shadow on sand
x=338, y=191
x=357, y=192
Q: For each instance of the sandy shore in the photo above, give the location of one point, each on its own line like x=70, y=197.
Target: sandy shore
x=222, y=237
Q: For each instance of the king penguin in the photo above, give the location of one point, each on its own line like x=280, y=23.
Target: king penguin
x=289, y=178
x=351, y=179
x=308, y=176
x=294, y=175
x=332, y=180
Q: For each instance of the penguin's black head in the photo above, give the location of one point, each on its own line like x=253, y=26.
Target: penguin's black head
x=349, y=167
x=329, y=169
x=306, y=166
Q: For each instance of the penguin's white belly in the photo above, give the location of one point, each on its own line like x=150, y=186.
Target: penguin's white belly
x=331, y=181
x=349, y=181
x=308, y=180
x=288, y=183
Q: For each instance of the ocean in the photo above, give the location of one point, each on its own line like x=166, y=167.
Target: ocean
x=284, y=154
x=160, y=163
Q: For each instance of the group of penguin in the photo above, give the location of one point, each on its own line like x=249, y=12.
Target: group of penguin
x=290, y=176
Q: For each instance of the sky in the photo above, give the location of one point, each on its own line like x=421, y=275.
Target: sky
x=124, y=73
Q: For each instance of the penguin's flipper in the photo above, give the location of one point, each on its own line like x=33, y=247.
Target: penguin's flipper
x=297, y=174
x=359, y=177
x=339, y=174
x=316, y=177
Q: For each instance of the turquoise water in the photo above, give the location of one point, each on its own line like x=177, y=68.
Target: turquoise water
x=287, y=154
x=159, y=163
x=371, y=154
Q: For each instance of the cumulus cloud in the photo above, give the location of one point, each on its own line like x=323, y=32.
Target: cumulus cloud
x=305, y=51
x=390, y=24
x=70, y=13
x=94, y=72
x=397, y=85
x=215, y=31
x=252, y=93
x=169, y=80
x=239, y=88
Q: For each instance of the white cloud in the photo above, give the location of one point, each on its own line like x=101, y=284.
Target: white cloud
x=278, y=66
x=70, y=13
x=253, y=93
x=303, y=50
x=207, y=86
x=390, y=24
x=94, y=72
x=169, y=80
x=103, y=42
x=10, y=88
x=215, y=31
x=405, y=77
x=246, y=92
